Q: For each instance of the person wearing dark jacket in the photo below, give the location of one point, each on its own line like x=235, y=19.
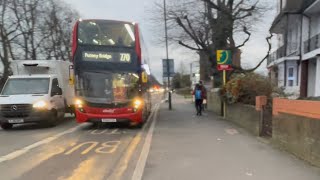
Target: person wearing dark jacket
x=199, y=95
x=204, y=91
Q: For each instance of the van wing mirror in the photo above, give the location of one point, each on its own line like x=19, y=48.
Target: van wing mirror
x=71, y=75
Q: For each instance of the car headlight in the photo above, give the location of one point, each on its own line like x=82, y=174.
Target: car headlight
x=40, y=105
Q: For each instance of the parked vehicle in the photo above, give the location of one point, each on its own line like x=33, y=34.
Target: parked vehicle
x=38, y=92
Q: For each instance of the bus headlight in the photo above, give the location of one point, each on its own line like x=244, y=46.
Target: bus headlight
x=137, y=103
x=78, y=103
x=40, y=105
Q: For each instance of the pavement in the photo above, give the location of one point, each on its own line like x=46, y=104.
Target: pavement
x=172, y=145
x=186, y=147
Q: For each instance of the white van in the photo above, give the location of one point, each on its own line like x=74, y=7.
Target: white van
x=38, y=92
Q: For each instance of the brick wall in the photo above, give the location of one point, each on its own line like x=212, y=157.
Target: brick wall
x=214, y=102
x=244, y=116
x=309, y=109
x=296, y=128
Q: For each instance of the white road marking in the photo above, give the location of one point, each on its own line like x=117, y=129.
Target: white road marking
x=124, y=161
x=231, y=131
x=249, y=173
x=26, y=149
x=138, y=172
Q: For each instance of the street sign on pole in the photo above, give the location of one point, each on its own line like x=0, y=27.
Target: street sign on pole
x=168, y=71
x=167, y=52
x=224, y=60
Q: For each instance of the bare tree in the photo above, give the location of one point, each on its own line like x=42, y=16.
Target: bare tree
x=8, y=33
x=34, y=29
x=208, y=25
x=57, y=27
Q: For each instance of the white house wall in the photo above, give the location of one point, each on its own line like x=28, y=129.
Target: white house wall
x=317, y=88
x=311, y=25
x=294, y=31
x=305, y=31
x=315, y=25
x=281, y=75
x=280, y=41
x=312, y=77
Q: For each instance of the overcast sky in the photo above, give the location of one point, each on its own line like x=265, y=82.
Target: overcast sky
x=138, y=11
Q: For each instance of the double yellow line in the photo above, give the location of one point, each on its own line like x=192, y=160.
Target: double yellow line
x=125, y=160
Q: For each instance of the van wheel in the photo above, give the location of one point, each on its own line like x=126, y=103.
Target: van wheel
x=52, y=120
x=6, y=126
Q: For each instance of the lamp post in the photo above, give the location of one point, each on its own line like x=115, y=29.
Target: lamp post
x=192, y=78
x=191, y=68
x=167, y=53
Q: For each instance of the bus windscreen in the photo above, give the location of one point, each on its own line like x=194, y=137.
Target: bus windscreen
x=108, y=87
x=106, y=33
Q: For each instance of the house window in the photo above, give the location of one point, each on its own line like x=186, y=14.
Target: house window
x=290, y=83
x=291, y=73
x=291, y=76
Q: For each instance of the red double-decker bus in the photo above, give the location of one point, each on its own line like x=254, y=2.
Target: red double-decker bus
x=111, y=69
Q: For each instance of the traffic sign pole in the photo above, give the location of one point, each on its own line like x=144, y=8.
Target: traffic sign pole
x=224, y=63
x=167, y=52
x=224, y=103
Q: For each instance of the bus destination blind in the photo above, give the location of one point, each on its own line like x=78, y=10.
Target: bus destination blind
x=115, y=57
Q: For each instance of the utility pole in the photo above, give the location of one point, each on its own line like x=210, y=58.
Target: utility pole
x=167, y=53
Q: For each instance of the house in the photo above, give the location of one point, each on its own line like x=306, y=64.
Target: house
x=295, y=65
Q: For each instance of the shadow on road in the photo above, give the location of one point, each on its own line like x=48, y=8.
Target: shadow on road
x=35, y=126
x=102, y=126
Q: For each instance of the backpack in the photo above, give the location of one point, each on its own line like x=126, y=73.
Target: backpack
x=198, y=94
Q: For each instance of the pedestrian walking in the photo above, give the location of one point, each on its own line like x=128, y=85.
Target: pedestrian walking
x=198, y=94
x=204, y=95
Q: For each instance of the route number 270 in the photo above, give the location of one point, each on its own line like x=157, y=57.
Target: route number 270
x=125, y=57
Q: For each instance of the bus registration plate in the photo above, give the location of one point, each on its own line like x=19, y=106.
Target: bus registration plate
x=109, y=120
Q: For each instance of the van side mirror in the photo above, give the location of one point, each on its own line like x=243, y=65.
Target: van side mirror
x=71, y=75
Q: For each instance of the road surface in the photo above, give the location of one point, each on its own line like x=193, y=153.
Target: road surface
x=173, y=145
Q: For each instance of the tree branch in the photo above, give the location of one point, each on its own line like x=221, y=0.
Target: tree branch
x=244, y=16
x=245, y=30
x=240, y=70
x=250, y=9
x=189, y=47
x=193, y=37
x=238, y=4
